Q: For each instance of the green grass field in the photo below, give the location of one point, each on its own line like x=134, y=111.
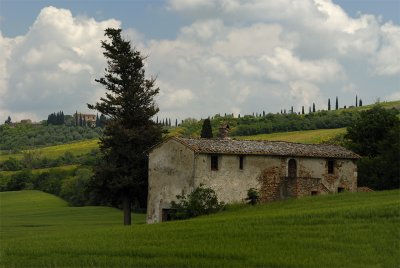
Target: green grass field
x=305, y=136
x=51, y=152
x=346, y=230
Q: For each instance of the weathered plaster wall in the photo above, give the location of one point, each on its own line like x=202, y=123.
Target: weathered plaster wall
x=173, y=168
x=229, y=181
x=170, y=173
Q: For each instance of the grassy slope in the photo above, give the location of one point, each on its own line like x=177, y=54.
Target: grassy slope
x=347, y=230
x=76, y=148
x=305, y=136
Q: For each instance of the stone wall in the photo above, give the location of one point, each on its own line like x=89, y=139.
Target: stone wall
x=174, y=168
x=170, y=173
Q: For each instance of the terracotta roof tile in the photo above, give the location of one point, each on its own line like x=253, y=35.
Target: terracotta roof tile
x=280, y=148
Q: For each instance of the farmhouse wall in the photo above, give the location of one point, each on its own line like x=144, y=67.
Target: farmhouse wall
x=178, y=165
x=170, y=173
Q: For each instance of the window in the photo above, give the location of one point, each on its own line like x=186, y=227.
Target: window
x=340, y=190
x=214, y=162
x=314, y=192
x=241, y=158
x=292, y=168
x=331, y=165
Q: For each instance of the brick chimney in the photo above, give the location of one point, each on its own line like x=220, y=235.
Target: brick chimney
x=224, y=131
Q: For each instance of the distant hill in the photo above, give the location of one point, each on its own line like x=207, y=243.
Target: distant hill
x=261, y=123
x=27, y=136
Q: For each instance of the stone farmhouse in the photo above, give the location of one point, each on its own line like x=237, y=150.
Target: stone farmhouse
x=230, y=167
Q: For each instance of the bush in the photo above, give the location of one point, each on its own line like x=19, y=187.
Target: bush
x=201, y=201
x=19, y=181
x=253, y=196
x=73, y=189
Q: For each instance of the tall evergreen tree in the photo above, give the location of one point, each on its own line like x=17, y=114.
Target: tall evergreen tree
x=360, y=103
x=329, y=104
x=129, y=131
x=302, y=109
x=356, y=100
x=313, y=107
x=337, y=103
x=206, y=129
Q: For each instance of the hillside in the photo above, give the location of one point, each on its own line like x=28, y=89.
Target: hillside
x=262, y=123
x=346, y=230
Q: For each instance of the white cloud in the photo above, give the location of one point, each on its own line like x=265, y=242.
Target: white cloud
x=234, y=56
x=54, y=65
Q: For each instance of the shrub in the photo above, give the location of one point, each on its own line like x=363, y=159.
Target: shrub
x=253, y=196
x=73, y=189
x=19, y=181
x=201, y=201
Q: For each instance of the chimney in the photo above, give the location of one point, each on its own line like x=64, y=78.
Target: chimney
x=224, y=131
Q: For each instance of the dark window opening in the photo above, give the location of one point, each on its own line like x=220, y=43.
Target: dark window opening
x=241, y=158
x=167, y=214
x=214, y=162
x=331, y=165
x=314, y=192
x=292, y=168
x=340, y=190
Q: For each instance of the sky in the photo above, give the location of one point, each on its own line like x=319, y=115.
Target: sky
x=209, y=57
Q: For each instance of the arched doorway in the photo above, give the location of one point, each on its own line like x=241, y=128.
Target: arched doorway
x=292, y=168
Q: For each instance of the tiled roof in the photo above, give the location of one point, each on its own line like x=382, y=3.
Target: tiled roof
x=279, y=148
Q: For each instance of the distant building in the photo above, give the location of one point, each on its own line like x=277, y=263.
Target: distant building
x=26, y=121
x=278, y=170
x=90, y=119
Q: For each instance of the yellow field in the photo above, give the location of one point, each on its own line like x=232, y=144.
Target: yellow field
x=304, y=136
x=77, y=148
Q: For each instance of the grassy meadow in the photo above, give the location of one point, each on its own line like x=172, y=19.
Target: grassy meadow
x=342, y=230
x=305, y=136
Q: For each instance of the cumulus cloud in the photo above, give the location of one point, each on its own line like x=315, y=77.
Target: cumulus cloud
x=53, y=66
x=233, y=56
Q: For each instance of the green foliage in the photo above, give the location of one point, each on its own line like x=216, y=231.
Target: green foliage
x=347, y=230
x=19, y=181
x=202, y=201
x=253, y=196
x=24, y=136
x=73, y=188
x=206, y=130
x=375, y=136
x=129, y=131
x=56, y=118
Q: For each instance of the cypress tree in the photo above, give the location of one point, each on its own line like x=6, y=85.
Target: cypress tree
x=313, y=107
x=360, y=103
x=337, y=103
x=302, y=109
x=356, y=100
x=206, y=130
x=329, y=104
x=129, y=131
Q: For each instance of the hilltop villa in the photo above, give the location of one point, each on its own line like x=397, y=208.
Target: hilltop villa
x=230, y=167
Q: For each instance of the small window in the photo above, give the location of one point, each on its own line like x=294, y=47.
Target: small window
x=214, y=162
x=314, y=192
x=331, y=165
x=241, y=158
x=340, y=190
x=292, y=168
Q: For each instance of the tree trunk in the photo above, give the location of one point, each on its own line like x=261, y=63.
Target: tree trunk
x=126, y=202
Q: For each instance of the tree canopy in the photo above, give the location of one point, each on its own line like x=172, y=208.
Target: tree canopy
x=375, y=136
x=129, y=131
